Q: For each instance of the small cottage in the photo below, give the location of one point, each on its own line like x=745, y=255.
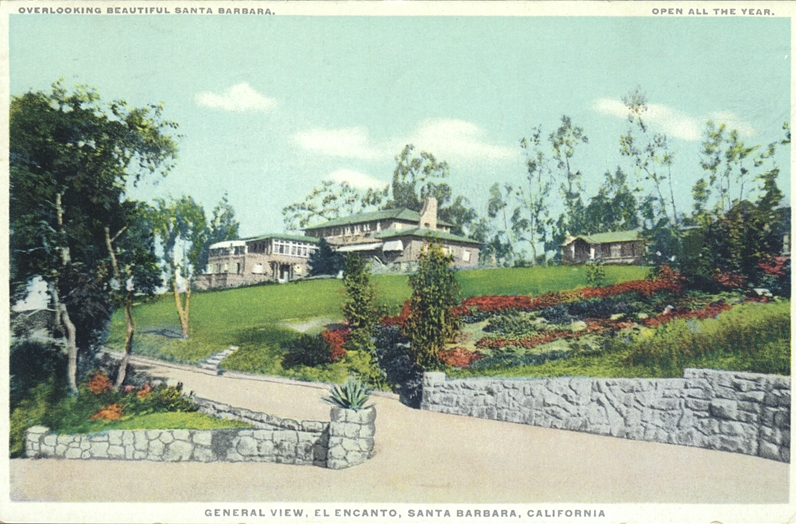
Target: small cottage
x=617, y=247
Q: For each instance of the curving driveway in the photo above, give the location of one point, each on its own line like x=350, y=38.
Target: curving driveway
x=421, y=457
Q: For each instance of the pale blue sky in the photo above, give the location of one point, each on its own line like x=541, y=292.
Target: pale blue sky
x=270, y=106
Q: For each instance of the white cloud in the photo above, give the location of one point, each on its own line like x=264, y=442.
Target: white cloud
x=445, y=138
x=673, y=122
x=240, y=98
x=449, y=138
x=356, y=179
x=350, y=142
x=733, y=121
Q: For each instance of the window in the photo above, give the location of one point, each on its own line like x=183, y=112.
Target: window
x=616, y=250
x=466, y=255
x=240, y=250
x=237, y=269
x=293, y=249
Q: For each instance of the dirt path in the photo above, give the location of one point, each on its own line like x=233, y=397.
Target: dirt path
x=421, y=457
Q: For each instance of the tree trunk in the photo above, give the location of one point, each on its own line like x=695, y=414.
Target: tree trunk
x=182, y=311
x=61, y=313
x=128, y=343
x=128, y=310
x=70, y=336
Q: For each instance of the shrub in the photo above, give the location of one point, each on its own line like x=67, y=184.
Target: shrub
x=556, y=315
x=431, y=321
x=511, y=323
x=747, y=330
x=307, y=350
x=352, y=394
x=31, y=364
x=595, y=274
x=336, y=339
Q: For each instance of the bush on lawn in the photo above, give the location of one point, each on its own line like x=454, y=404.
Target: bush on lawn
x=512, y=323
x=307, y=350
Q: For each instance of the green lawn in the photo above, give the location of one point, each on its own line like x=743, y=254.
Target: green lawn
x=247, y=317
x=173, y=420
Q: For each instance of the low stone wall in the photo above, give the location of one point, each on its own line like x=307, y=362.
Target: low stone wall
x=729, y=411
x=348, y=440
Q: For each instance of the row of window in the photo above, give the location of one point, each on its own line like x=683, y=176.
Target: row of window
x=276, y=247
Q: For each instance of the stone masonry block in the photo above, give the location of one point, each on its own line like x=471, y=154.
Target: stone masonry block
x=725, y=409
x=179, y=450
x=203, y=438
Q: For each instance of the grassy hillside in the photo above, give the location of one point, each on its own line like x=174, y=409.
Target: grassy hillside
x=249, y=316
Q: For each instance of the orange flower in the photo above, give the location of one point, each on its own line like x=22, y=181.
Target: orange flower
x=144, y=391
x=112, y=412
x=99, y=383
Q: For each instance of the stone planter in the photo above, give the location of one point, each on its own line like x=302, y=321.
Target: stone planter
x=351, y=437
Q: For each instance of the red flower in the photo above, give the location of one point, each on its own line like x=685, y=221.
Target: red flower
x=710, y=311
x=459, y=357
x=336, y=338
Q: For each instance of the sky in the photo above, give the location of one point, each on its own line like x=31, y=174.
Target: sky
x=268, y=107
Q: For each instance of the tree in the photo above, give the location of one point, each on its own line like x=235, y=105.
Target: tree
x=729, y=164
x=431, y=321
x=135, y=268
x=498, y=244
x=223, y=226
x=329, y=201
x=564, y=142
x=421, y=175
x=651, y=156
x=416, y=176
x=325, y=260
x=181, y=226
x=532, y=215
x=71, y=160
x=613, y=208
x=361, y=312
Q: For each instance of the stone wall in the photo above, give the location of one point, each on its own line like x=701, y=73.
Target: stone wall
x=729, y=411
x=348, y=440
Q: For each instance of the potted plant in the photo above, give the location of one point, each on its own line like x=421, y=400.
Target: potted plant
x=352, y=428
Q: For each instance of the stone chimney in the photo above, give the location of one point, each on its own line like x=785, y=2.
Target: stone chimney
x=428, y=215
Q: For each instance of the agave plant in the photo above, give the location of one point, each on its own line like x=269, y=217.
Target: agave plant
x=352, y=394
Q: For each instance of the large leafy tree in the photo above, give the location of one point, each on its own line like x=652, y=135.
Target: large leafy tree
x=614, y=207
x=72, y=158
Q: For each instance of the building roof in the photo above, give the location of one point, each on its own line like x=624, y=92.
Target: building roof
x=283, y=236
x=403, y=213
x=605, y=238
x=424, y=233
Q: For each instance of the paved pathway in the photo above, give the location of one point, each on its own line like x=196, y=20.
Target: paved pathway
x=421, y=457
